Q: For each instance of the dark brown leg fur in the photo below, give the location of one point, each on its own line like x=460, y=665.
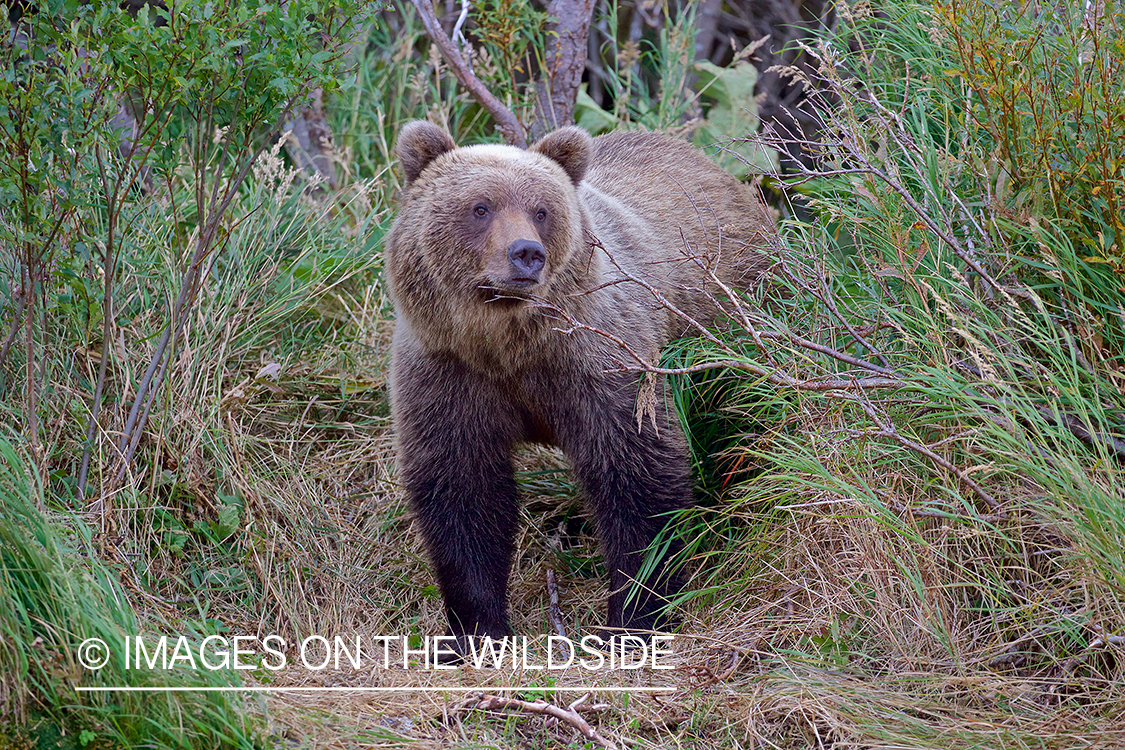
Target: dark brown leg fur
x=635, y=479
x=455, y=461
x=457, y=430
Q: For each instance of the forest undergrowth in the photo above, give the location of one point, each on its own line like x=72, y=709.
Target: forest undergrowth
x=911, y=520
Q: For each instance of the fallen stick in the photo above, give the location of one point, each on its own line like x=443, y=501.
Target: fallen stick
x=569, y=714
x=553, y=609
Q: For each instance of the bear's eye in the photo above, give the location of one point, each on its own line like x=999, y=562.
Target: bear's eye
x=480, y=209
x=541, y=215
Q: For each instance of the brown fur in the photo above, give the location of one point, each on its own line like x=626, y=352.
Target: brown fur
x=479, y=366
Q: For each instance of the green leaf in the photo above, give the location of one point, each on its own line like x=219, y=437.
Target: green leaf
x=733, y=115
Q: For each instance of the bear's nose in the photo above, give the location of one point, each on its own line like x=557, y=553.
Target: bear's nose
x=527, y=257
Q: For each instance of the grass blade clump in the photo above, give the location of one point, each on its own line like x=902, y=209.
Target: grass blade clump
x=52, y=598
x=938, y=489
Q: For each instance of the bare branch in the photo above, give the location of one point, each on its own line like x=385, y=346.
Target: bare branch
x=739, y=313
x=776, y=376
x=887, y=429
x=826, y=297
x=506, y=122
x=898, y=507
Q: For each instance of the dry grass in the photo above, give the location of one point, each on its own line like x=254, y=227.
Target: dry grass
x=830, y=616
x=837, y=624
x=850, y=594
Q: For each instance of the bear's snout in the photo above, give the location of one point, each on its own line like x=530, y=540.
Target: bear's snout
x=527, y=258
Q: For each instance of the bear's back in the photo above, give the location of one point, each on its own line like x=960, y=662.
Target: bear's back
x=694, y=222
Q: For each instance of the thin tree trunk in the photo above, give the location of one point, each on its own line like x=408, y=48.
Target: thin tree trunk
x=309, y=144
x=566, y=62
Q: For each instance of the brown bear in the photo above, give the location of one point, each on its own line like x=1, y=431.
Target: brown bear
x=495, y=254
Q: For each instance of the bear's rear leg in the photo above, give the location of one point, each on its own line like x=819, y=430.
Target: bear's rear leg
x=632, y=506
x=636, y=479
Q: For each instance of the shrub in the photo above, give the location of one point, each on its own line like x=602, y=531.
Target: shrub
x=1048, y=86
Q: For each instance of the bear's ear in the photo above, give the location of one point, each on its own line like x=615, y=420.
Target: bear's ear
x=571, y=147
x=419, y=143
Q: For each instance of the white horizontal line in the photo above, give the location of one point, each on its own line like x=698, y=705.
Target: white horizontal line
x=420, y=689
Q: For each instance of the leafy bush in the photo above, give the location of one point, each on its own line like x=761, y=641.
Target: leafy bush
x=102, y=145
x=1048, y=86
x=162, y=268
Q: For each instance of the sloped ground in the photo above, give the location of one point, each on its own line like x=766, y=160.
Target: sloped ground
x=823, y=624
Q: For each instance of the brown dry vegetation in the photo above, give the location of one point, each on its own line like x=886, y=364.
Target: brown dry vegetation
x=848, y=590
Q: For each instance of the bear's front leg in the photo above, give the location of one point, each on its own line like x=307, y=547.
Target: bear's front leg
x=455, y=436
x=636, y=478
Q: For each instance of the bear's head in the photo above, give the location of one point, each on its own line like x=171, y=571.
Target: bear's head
x=495, y=224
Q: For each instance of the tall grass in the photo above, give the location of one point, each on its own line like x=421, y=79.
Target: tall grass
x=276, y=322
x=277, y=315
x=963, y=519
x=53, y=596
x=934, y=562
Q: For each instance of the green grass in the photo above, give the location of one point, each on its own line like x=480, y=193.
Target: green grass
x=54, y=594
x=848, y=585
x=957, y=527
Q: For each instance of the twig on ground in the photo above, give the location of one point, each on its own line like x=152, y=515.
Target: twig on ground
x=735, y=660
x=712, y=678
x=1101, y=640
x=1076, y=428
x=570, y=714
x=1061, y=419
x=553, y=609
